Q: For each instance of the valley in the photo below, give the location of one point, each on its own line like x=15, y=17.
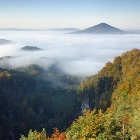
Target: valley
x=52, y=83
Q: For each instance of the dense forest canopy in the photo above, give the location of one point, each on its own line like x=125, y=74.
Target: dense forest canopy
x=30, y=100
x=34, y=98
x=115, y=88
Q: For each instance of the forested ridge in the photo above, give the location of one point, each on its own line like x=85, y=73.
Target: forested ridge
x=30, y=99
x=113, y=95
x=116, y=89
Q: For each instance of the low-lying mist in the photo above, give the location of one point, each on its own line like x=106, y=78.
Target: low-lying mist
x=80, y=55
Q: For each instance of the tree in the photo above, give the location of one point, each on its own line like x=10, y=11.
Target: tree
x=34, y=135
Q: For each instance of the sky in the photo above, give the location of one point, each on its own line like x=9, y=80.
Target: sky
x=81, y=14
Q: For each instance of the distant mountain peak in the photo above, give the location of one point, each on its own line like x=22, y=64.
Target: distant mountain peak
x=102, y=28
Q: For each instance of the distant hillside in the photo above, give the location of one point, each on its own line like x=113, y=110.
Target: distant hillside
x=53, y=29
x=63, y=29
x=31, y=48
x=101, y=28
x=19, y=29
x=134, y=31
x=4, y=41
x=11, y=29
x=6, y=57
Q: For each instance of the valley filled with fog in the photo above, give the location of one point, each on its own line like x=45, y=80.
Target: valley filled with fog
x=74, y=54
x=42, y=78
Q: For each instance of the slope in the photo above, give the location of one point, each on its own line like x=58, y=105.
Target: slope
x=121, y=120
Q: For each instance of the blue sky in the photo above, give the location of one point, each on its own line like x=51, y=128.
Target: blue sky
x=124, y=14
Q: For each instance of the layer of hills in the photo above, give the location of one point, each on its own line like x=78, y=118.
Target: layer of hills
x=63, y=29
x=52, y=29
x=101, y=28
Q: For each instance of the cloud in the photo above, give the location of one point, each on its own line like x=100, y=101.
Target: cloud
x=81, y=55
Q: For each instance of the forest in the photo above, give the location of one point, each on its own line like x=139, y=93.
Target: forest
x=34, y=98
x=34, y=106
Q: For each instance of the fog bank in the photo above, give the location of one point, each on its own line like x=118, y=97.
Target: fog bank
x=81, y=55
